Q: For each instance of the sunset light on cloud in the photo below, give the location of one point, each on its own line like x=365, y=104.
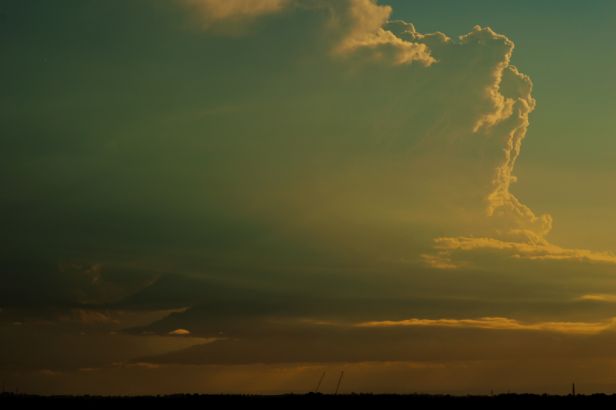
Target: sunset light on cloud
x=240, y=195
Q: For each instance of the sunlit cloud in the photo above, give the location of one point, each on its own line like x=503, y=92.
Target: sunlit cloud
x=447, y=246
x=500, y=323
x=363, y=24
x=180, y=332
x=355, y=25
x=598, y=297
x=214, y=12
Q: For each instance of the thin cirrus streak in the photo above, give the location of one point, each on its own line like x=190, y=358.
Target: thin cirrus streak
x=499, y=323
x=597, y=297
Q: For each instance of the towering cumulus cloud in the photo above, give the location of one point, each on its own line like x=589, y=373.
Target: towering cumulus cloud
x=457, y=113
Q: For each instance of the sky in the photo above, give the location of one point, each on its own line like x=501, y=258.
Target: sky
x=239, y=196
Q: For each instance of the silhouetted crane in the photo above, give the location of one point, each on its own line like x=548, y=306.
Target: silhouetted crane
x=319, y=383
x=339, y=381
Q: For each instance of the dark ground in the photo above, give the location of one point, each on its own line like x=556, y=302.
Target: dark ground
x=312, y=400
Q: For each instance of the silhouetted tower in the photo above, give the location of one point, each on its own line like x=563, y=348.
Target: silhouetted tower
x=573, y=389
x=339, y=381
x=319, y=383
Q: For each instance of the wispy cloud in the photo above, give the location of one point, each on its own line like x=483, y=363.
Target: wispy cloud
x=447, y=246
x=500, y=323
x=214, y=12
x=598, y=297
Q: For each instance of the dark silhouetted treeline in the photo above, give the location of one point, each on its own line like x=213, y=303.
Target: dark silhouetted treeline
x=313, y=400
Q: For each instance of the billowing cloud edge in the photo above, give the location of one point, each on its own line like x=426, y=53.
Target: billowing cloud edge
x=355, y=25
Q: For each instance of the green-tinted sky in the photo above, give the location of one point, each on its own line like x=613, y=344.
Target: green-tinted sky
x=237, y=195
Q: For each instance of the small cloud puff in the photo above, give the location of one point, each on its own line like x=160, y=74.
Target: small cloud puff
x=180, y=332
